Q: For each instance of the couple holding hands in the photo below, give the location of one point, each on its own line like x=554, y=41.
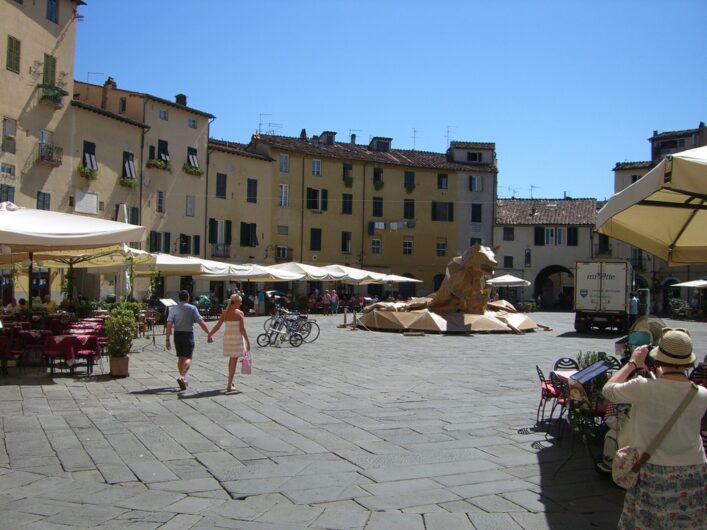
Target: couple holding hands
x=181, y=320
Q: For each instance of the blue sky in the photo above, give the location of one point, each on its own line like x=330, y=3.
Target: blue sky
x=564, y=88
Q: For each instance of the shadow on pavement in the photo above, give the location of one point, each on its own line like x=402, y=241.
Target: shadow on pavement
x=205, y=393
x=156, y=391
x=573, y=493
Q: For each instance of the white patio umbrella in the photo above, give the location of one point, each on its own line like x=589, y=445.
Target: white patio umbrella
x=310, y=272
x=694, y=284
x=400, y=279
x=168, y=265
x=664, y=212
x=508, y=280
x=352, y=274
x=254, y=273
x=30, y=230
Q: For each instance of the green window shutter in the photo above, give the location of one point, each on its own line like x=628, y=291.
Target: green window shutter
x=451, y=211
x=166, y=242
x=196, y=247
x=325, y=199
x=253, y=234
x=244, y=234
x=228, y=232
x=153, y=241
x=213, y=230
x=13, y=54
x=539, y=236
x=49, y=74
x=434, y=211
x=182, y=243
x=311, y=199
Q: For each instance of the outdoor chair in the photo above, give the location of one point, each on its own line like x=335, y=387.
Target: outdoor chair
x=699, y=375
x=613, y=361
x=89, y=352
x=562, y=400
x=566, y=363
x=548, y=392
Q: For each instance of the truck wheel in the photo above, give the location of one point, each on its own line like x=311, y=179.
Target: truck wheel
x=581, y=327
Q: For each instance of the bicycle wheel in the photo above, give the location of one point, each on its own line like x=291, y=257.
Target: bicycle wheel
x=305, y=328
x=268, y=323
x=296, y=340
x=263, y=340
x=314, y=331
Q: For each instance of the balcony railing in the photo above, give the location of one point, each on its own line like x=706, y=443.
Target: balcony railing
x=50, y=154
x=52, y=95
x=220, y=250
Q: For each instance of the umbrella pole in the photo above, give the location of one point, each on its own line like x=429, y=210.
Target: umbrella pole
x=29, y=288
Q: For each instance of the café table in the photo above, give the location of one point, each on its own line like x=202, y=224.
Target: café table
x=68, y=347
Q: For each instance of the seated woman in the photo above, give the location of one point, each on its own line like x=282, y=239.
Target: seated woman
x=670, y=492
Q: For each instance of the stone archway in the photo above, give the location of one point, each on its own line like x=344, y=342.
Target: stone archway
x=555, y=286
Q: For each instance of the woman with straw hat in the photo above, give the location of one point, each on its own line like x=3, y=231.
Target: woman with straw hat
x=670, y=491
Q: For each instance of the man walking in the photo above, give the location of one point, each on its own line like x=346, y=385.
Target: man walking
x=181, y=320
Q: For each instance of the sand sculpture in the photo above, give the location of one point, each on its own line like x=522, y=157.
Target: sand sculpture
x=460, y=305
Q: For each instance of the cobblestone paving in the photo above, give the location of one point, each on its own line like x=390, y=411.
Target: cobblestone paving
x=357, y=430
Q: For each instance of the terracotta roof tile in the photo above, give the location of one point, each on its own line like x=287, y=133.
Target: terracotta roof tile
x=633, y=165
x=102, y=112
x=235, y=148
x=546, y=211
x=349, y=151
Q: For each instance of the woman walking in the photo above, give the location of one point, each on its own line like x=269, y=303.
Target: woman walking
x=235, y=337
x=670, y=492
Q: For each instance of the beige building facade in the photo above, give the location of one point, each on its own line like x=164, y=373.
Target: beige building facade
x=651, y=272
x=540, y=240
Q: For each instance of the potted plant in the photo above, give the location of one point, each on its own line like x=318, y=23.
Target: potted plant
x=87, y=172
x=120, y=331
x=159, y=164
x=192, y=170
x=128, y=182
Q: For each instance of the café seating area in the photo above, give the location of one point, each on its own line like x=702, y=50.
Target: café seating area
x=59, y=342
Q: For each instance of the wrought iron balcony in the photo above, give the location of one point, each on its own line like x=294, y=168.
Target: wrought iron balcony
x=52, y=95
x=50, y=154
x=220, y=250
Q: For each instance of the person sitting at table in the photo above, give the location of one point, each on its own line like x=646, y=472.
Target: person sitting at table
x=12, y=308
x=670, y=491
x=22, y=306
x=49, y=304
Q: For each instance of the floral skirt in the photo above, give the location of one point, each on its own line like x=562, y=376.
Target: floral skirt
x=666, y=498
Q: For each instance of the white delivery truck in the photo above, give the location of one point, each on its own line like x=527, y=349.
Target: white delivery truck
x=601, y=294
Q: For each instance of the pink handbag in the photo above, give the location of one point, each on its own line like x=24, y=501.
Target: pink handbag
x=247, y=363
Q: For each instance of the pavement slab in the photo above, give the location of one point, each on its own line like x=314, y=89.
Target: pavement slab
x=356, y=430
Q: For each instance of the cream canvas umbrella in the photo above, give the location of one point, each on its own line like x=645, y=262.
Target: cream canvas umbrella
x=508, y=280
x=694, y=284
x=664, y=212
x=310, y=272
x=354, y=275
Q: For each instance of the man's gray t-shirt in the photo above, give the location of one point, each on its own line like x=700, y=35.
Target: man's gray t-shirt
x=184, y=316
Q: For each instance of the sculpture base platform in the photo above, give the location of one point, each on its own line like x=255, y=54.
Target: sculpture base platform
x=429, y=322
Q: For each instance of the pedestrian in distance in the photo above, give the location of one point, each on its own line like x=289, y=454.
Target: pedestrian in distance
x=181, y=320
x=632, y=310
x=235, y=338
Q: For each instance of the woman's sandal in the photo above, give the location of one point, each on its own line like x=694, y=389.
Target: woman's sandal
x=231, y=388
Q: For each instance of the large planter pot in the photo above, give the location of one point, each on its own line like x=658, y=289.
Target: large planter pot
x=119, y=366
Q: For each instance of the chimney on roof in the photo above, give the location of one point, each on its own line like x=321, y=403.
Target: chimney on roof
x=315, y=139
x=109, y=85
x=328, y=137
x=303, y=135
x=181, y=99
x=655, y=133
x=353, y=138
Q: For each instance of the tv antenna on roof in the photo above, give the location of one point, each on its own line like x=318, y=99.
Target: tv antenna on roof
x=449, y=133
x=270, y=127
x=414, y=137
x=533, y=187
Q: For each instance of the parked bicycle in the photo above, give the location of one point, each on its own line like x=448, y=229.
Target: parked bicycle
x=280, y=331
x=296, y=322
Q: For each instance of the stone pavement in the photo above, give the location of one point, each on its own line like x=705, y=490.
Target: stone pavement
x=357, y=430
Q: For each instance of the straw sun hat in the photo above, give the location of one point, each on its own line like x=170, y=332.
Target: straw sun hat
x=674, y=347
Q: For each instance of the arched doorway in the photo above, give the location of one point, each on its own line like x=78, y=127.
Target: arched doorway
x=555, y=287
x=668, y=292
x=407, y=289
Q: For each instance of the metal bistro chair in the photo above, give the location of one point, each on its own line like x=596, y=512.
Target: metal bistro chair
x=562, y=400
x=566, y=363
x=548, y=392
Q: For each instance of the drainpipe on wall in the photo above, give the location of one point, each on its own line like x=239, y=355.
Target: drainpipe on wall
x=206, y=195
x=364, y=232
x=142, y=159
x=302, y=208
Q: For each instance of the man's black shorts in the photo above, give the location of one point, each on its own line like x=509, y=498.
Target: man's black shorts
x=184, y=343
